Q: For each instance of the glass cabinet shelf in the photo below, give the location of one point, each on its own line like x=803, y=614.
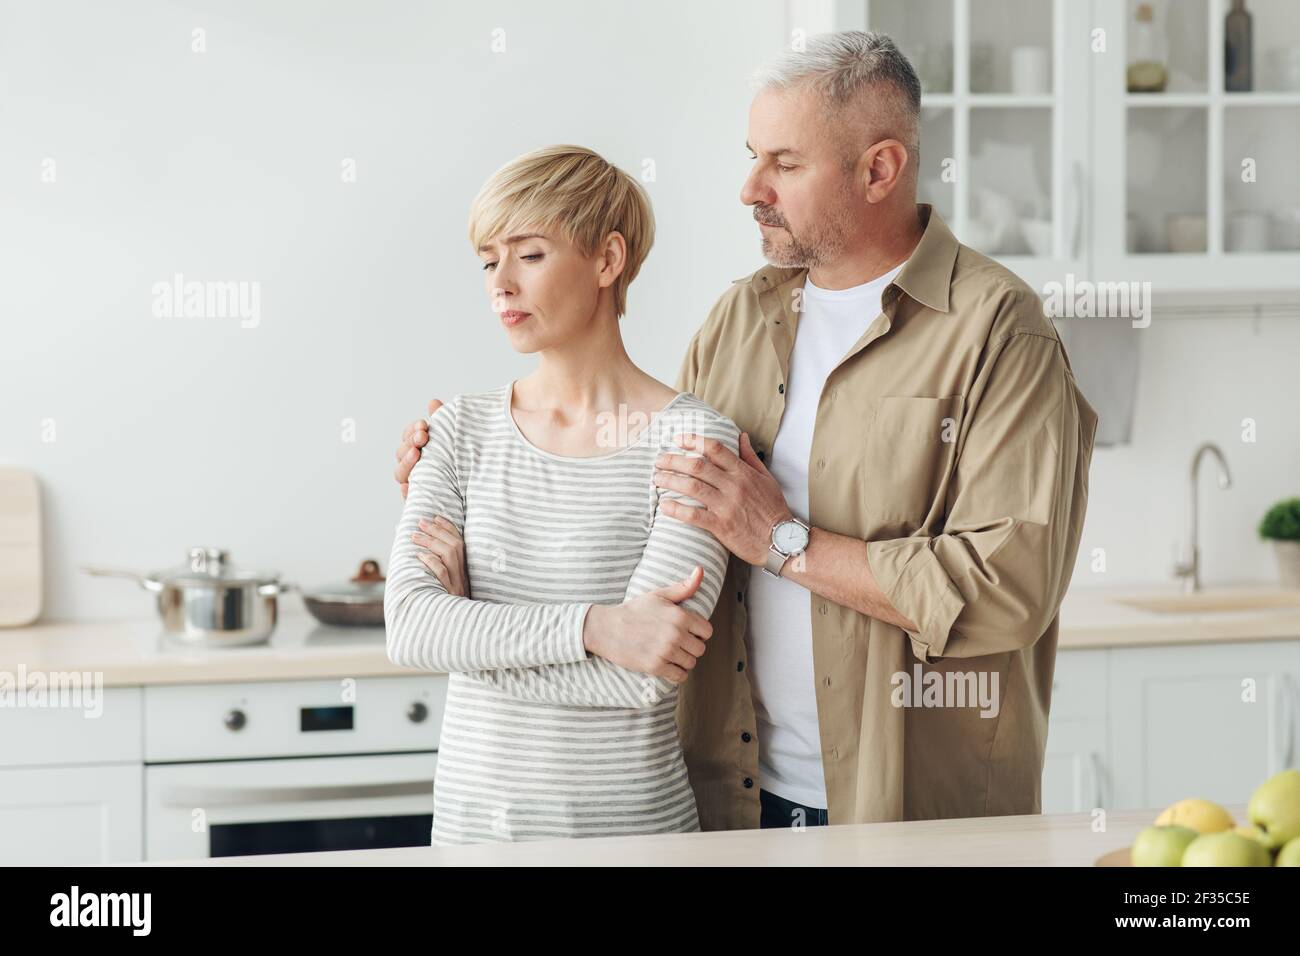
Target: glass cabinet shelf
x=1208, y=171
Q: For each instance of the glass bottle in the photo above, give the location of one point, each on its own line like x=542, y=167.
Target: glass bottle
x=1147, y=54
x=1237, y=58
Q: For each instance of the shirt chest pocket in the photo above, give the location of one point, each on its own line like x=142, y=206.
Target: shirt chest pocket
x=911, y=446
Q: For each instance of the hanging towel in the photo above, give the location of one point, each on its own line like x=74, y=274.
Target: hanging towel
x=1104, y=355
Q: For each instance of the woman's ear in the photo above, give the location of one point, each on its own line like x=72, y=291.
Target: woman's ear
x=611, y=259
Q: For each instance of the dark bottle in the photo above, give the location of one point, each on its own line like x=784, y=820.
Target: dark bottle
x=1236, y=49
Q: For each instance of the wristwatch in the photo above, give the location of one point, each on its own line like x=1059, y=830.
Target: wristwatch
x=789, y=538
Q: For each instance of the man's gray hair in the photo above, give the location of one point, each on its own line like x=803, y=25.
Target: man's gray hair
x=841, y=66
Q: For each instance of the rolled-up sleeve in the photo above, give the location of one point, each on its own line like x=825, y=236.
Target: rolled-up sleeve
x=993, y=580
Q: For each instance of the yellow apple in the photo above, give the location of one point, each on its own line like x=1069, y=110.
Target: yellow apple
x=1203, y=816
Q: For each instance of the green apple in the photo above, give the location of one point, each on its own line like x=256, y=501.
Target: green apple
x=1289, y=855
x=1225, y=849
x=1161, y=846
x=1275, y=807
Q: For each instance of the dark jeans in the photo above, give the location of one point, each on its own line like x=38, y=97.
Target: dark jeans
x=780, y=812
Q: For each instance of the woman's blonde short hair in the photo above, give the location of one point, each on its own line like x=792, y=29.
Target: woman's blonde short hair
x=574, y=190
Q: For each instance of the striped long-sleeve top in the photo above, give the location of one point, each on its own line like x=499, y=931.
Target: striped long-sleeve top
x=539, y=739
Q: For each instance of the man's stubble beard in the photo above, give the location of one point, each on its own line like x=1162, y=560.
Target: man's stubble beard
x=823, y=244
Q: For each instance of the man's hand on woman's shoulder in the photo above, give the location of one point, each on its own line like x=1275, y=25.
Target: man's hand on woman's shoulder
x=414, y=437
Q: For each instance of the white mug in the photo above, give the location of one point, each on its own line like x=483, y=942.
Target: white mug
x=1031, y=72
x=1248, y=232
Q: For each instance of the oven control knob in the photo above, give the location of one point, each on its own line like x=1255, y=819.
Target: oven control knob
x=417, y=712
x=235, y=720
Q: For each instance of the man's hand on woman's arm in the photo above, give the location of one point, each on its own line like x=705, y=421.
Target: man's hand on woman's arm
x=414, y=437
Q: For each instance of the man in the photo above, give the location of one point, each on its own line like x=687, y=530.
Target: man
x=906, y=507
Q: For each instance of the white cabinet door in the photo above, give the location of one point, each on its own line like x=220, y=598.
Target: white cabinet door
x=1004, y=123
x=72, y=816
x=1196, y=188
x=1080, y=685
x=1211, y=721
x=1074, y=775
x=1074, y=770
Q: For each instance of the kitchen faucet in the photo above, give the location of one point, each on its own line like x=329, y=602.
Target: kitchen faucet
x=1190, y=569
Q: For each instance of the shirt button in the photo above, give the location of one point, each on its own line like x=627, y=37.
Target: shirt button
x=826, y=681
x=740, y=595
x=822, y=607
x=821, y=464
x=781, y=388
x=744, y=735
x=749, y=784
x=835, y=753
x=740, y=665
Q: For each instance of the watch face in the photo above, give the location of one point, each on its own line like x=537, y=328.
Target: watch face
x=790, y=537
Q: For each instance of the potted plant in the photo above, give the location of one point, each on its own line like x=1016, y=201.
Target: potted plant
x=1281, y=524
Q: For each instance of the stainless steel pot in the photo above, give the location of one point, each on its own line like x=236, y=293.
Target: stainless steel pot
x=210, y=603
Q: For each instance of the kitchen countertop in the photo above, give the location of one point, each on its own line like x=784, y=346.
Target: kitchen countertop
x=1096, y=617
x=1066, y=839
x=135, y=652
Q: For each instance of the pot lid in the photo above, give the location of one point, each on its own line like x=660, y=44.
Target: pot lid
x=212, y=566
x=365, y=587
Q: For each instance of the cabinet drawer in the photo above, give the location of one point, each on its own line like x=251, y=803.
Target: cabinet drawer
x=293, y=718
x=1079, y=685
x=104, y=727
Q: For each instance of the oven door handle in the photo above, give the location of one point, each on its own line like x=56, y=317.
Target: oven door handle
x=181, y=796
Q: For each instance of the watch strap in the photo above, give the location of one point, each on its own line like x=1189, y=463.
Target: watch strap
x=774, y=562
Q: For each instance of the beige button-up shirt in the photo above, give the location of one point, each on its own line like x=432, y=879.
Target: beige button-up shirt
x=953, y=440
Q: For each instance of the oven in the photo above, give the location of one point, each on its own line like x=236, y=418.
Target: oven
x=290, y=767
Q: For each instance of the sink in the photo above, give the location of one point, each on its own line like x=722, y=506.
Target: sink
x=1207, y=602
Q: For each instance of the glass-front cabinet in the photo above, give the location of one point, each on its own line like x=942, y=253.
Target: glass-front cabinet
x=1197, y=146
x=999, y=159
x=1154, y=140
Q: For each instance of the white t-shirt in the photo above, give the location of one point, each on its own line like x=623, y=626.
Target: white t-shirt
x=780, y=611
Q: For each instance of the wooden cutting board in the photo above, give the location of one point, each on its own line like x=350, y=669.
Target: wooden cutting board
x=20, y=547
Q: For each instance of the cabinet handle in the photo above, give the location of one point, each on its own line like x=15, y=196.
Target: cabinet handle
x=210, y=796
x=1076, y=239
x=1094, y=762
x=1287, y=706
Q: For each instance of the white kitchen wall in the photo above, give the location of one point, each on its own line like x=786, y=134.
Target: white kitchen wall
x=151, y=435
x=1199, y=379
x=226, y=166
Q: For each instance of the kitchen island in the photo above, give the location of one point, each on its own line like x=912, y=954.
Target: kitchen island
x=1066, y=839
x=1146, y=708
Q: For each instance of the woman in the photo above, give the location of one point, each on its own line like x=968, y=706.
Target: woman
x=541, y=493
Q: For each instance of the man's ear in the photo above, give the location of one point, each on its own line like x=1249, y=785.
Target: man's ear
x=883, y=166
